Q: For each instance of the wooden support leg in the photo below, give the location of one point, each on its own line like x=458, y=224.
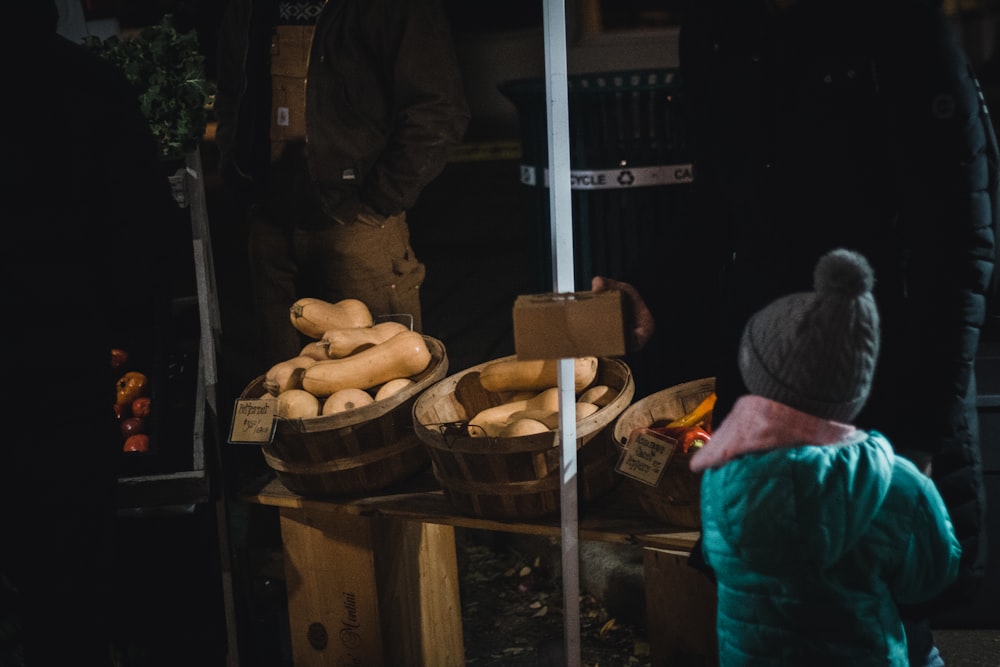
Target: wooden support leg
x=680, y=611
x=419, y=594
x=370, y=592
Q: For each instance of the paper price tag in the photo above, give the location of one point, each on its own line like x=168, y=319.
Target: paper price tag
x=646, y=455
x=253, y=421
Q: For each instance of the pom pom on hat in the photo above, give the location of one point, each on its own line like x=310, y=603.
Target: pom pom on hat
x=816, y=351
x=843, y=272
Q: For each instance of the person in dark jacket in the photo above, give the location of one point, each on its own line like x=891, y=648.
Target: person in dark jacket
x=823, y=124
x=816, y=125
x=816, y=529
x=332, y=119
x=88, y=215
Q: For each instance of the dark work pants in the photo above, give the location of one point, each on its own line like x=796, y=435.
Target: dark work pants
x=369, y=258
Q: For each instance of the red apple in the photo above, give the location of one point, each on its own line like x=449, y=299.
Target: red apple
x=122, y=411
x=136, y=443
x=141, y=406
x=133, y=426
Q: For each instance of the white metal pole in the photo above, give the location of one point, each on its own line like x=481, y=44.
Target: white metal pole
x=561, y=221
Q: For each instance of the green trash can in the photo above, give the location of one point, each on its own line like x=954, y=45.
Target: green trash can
x=632, y=196
x=629, y=170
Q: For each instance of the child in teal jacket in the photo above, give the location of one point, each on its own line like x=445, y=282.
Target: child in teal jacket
x=816, y=529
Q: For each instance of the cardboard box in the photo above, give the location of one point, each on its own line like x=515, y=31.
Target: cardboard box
x=569, y=325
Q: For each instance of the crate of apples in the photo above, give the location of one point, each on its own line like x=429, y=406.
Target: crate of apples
x=133, y=404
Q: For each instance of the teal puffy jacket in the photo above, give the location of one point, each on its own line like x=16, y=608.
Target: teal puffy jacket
x=813, y=547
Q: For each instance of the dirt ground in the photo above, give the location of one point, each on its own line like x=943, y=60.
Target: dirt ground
x=512, y=612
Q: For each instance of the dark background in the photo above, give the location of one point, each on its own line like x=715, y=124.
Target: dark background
x=475, y=230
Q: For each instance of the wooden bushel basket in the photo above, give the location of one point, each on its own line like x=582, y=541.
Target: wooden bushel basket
x=359, y=451
x=515, y=477
x=676, y=498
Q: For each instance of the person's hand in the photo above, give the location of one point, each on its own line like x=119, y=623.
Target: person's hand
x=639, y=322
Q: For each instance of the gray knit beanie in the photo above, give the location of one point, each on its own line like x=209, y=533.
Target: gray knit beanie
x=816, y=351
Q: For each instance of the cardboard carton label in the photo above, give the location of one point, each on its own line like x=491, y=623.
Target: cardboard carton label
x=569, y=325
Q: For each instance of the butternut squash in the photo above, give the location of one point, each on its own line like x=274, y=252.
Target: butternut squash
x=509, y=396
x=538, y=415
x=286, y=374
x=315, y=350
x=346, y=399
x=297, y=404
x=523, y=426
x=551, y=419
x=600, y=395
x=345, y=342
x=393, y=387
x=538, y=374
x=491, y=421
x=403, y=355
x=314, y=317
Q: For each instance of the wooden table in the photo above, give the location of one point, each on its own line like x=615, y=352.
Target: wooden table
x=374, y=581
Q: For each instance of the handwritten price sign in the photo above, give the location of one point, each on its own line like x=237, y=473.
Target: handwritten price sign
x=253, y=421
x=646, y=455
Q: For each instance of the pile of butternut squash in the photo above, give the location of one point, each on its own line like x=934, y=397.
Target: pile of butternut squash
x=531, y=394
x=352, y=362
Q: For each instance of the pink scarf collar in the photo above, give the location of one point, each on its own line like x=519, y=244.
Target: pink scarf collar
x=757, y=424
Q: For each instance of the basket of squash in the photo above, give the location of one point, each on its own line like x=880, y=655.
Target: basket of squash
x=344, y=423
x=493, y=433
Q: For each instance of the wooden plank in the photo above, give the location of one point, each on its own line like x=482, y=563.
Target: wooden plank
x=680, y=611
x=206, y=400
x=371, y=591
x=417, y=577
x=616, y=517
x=208, y=302
x=333, y=605
x=188, y=487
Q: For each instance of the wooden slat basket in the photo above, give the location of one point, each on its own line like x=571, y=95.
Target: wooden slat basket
x=359, y=451
x=515, y=477
x=676, y=498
